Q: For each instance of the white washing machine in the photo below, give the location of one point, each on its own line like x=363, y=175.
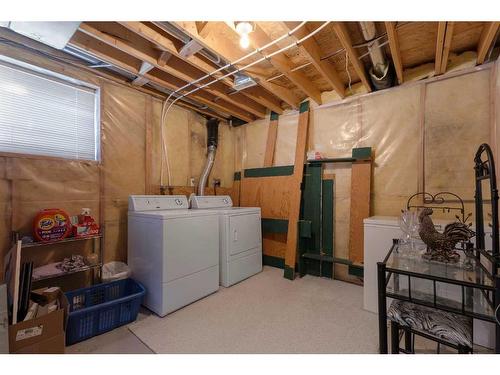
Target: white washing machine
x=378, y=234
x=240, y=237
x=172, y=251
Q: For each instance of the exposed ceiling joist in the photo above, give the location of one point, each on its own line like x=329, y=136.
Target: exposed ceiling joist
x=439, y=46
x=231, y=53
x=131, y=65
x=446, y=47
x=164, y=57
x=344, y=38
x=258, y=39
x=146, y=31
x=443, y=45
x=486, y=41
x=141, y=52
x=313, y=52
x=392, y=35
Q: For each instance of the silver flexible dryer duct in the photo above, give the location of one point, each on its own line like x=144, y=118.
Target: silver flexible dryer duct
x=212, y=150
x=212, y=140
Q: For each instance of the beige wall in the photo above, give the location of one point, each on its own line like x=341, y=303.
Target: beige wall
x=130, y=153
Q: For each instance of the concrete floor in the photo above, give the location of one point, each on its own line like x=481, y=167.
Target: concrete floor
x=264, y=314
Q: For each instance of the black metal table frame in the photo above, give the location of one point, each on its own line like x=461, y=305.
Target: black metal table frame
x=384, y=274
x=484, y=167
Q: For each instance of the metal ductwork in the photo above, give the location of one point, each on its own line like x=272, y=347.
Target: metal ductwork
x=381, y=74
x=212, y=139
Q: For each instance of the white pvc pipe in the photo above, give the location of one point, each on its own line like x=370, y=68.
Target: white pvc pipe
x=258, y=50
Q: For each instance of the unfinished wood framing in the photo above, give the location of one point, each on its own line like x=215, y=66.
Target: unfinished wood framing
x=345, y=40
x=392, y=36
x=439, y=46
x=104, y=32
x=272, y=134
x=296, y=181
x=443, y=45
x=283, y=64
x=487, y=38
x=313, y=51
x=231, y=53
x=360, y=208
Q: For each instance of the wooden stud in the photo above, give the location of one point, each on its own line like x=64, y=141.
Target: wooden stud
x=284, y=65
x=102, y=32
x=118, y=59
x=295, y=195
x=313, y=52
x=392, y=35
x=344, y=38
x=148, y=116
x=360, y=208
x=446, y=47
x=486, y=40
x=439, y=46
x=231, y=53
x=164, y=57
x=272, y=134
x=147, y=32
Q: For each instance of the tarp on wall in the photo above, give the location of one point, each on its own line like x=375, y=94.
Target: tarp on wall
x=423, y=135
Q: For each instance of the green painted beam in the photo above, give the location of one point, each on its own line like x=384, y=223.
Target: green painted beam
x=274, y=225
x=327, y=212
x=362, y=153
x=356, y=270
x=286, y=170
x=304, y=106
x=269, y=260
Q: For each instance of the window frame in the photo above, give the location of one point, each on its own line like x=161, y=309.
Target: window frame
x=66, y=80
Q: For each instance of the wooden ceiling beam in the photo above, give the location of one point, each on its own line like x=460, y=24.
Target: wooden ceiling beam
x=132, y=66
x=146, y=31
x=344, y=38
x=486, y=40
x=441, y=32
x=313, y=52
x=392, y=35
x=446, y=47
x=106, y=34
x=259, y=38
x=231, y=53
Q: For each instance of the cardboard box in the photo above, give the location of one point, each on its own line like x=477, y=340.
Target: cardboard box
x=42, y=335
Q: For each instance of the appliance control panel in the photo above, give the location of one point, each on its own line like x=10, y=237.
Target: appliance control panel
x=157, y=202
x=211, y=201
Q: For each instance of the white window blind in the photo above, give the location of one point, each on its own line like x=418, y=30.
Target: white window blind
x=46, y=114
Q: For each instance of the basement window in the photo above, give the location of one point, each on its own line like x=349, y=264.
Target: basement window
x=47, y=114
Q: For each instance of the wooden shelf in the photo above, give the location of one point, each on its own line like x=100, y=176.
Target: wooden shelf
x=66, y=240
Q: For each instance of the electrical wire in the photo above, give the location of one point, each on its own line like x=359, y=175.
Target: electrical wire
x=166, y=110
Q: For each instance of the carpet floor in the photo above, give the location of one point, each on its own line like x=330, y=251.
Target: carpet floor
x=267, y=314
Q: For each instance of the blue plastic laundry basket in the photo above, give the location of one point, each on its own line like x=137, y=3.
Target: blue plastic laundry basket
x=101, y=308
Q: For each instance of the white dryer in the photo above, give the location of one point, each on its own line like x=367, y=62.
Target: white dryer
x=240, y=237
x=172, y=251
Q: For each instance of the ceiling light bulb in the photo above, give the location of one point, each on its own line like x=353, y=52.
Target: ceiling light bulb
x=243, y=27
x=244, y=41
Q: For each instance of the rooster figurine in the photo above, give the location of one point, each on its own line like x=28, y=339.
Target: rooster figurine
x=441, y=246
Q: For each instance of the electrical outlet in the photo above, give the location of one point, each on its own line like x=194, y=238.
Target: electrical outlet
x=191, y=181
